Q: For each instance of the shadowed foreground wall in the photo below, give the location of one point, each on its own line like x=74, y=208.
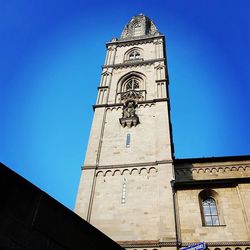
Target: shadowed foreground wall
x=31, y=219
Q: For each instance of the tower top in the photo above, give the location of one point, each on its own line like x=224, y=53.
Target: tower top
x=139, y=26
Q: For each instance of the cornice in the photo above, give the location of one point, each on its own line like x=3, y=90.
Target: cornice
x=190, y=184
x=141, y=164
x=133, y=63
x=213, y=159
x=120, y=104
x=103, y=87
x=220, y=243
x=133, y=41
x=158, y=244
x=212, y=169
x=146, y=243
x=161, y=80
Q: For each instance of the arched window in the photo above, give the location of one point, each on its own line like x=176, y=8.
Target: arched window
x=133, y=83
x=131, y=86
x=210, y=212
x=134, y=55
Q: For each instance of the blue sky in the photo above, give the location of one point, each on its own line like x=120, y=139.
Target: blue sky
x=51, y=55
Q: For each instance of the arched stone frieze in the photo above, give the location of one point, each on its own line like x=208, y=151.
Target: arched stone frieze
x=134, y=170
x=108, y=173
x=100, y=173
x=113, y=108
x=126, y=171
x=117, y=172
x=213, y=170
x=143, y=170
x=152, y=170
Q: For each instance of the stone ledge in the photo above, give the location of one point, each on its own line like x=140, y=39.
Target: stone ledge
x=146, y=243
x=191, y=184
x=120, y=104
x=132, y=41
x=127, y=165
x=133, y=63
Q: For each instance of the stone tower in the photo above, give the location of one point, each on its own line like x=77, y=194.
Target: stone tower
x=125, y=188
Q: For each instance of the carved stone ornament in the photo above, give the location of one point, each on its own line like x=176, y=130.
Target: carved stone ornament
x=129, y=117
x=131, y=95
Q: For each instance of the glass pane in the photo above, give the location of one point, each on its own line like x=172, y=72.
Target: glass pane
x=128, y=140
x=131, y=56
x=215, y=220
x=213, y=210
x=136, y=84
x=129, y=86
x=206, y=210
x=208, y=220
x=206, y=202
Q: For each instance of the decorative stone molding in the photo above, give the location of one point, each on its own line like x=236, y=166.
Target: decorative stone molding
x=132, y=171
x=114, y=108
x=142, y=164
x=102, y=87
x=220, y=243
x=146, y=105
x=131, y=94
x=159, y=244
x=135, y=40
x=151, y=102
x=212, y=169
x=146, y=244
x=129, y=64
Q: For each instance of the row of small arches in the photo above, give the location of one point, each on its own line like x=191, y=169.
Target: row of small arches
x=213, y=170
x=146, y=249
x=216, y=248
x=139, y=106
x=229, y=248
x=127, y=171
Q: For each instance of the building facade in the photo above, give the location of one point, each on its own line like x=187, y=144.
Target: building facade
x=132, y=188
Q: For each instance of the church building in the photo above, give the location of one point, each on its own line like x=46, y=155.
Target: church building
x=132, y=188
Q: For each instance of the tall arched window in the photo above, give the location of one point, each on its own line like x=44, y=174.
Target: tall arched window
x=210, y=212
x=131, y=86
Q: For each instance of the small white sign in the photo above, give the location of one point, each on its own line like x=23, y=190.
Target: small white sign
x=199, y=246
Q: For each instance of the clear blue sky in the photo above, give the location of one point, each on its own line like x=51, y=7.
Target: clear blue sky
x=51, y=54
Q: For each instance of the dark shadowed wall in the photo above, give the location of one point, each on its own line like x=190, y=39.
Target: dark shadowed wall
x=31, y=219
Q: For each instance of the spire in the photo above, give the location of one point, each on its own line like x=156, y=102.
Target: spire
x=139, y=25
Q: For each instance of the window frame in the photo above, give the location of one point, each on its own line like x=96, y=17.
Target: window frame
x=212, y=194
x=133, y=54
x=210, y=211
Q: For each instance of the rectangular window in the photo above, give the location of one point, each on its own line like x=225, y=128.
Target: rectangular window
x=124, y=191
x=128, y=140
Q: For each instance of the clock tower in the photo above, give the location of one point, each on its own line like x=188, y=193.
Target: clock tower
x=125, y=188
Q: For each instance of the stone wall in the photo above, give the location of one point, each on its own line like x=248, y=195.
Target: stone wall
x=229, y=180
